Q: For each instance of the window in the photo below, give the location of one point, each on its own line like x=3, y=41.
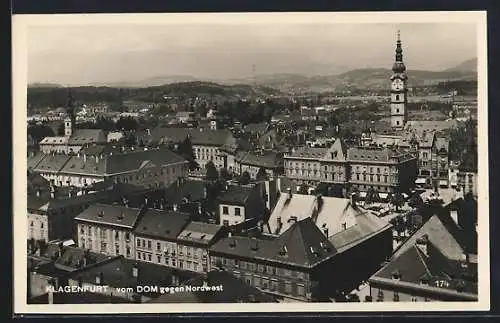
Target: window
x=82, y=228
x=158, y=246
x=344, y=226
x=128, y=251
x=414, y=299
x=397, y=110
x=225, y=223
x=181, y=264
x=396, y=297
x=397, y=97
x=261, y=268
x=117, y=249
x=138, y=242
x=397, y=123
x=103, y=246
x=288, y=287
x=41, y=225
x=138, y=255
x=31, y=223
x=149, y=257
x=237, y=211
x=225, y=210
x=301, y=291
x=127, y=236
x=158, y=259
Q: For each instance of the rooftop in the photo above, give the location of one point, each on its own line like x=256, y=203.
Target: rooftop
x=115, y=215
x=161, y=224
x=235, y=194
x=199, y=232
x=303, y=245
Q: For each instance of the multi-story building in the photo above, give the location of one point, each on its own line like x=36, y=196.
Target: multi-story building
x=252, y=162
x=298, y=264
x=193, y=245
x=304, y=164
x=333, y=164
x=108, y=229
x=51, y=210
x=150, y=168
x=156, y=237
x=434, y=264
x=240, y=204
x=383, y=169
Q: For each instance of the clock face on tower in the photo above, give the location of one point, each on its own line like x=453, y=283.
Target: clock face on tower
x=397, y=85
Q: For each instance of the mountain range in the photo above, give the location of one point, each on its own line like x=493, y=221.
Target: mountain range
x=373, y=78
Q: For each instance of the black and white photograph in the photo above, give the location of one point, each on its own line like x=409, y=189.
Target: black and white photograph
x=207, y=162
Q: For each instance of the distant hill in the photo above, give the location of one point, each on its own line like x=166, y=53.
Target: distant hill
x=372, y=78
x=57, y=96
x=44, y=85
x=467, y=66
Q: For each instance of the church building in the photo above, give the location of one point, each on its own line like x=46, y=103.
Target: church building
x=399, y=90
x=73, y=139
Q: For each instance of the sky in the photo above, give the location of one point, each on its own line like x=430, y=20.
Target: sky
x=97, y=53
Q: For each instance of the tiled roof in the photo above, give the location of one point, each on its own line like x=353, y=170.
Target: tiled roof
x=161, y=224
x=235, y=194
x=180, y=189
x=424, y=138
x=442, y=233
x=85, y=136
x=199, y=232
x=120, y=163
x=115, y=215
x=302, y=245
x=54, y=140
x=430, y=125
x=266, y=159
x=308, y=152
x=337, y=152
x=413, y=266
x=52, y=163
x=33, y=161
x=210, y=137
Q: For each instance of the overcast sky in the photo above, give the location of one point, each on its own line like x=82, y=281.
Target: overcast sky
x=115, y=53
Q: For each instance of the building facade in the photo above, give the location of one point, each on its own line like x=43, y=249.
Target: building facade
x=108, y=229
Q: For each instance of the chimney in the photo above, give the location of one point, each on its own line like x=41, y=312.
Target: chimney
x=84, y=157
x=289, y=191
x=229, y=234
x=200, y=210
x=325, y=229
x=146, y=201
x=396, y=275
x=175, y=207
x=464, y=260
x=422, y=244
x=38, y=193
x=85, y=257
x=52, y=194
x=60, y=250
x=135, y=271
x=454, y=216
x=205, y=192
x=353, y=199
x=232, y=243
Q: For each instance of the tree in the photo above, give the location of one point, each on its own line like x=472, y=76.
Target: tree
x=370, y=195
x=261, y=174
x=244, y=178
x=130, y=140
x=211, y=172
x=397, y=200
x=224, y=174
x=185, y=149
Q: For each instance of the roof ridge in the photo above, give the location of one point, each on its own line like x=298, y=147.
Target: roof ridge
x=420, y=256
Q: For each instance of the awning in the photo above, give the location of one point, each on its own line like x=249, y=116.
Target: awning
x=383, y=195
x=420, y=181
x=443, y=182
x=405, y=195
x=362, y=194
x=68, y=243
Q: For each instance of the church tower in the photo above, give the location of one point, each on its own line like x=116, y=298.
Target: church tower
x=70, y=120
x=399, y=90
